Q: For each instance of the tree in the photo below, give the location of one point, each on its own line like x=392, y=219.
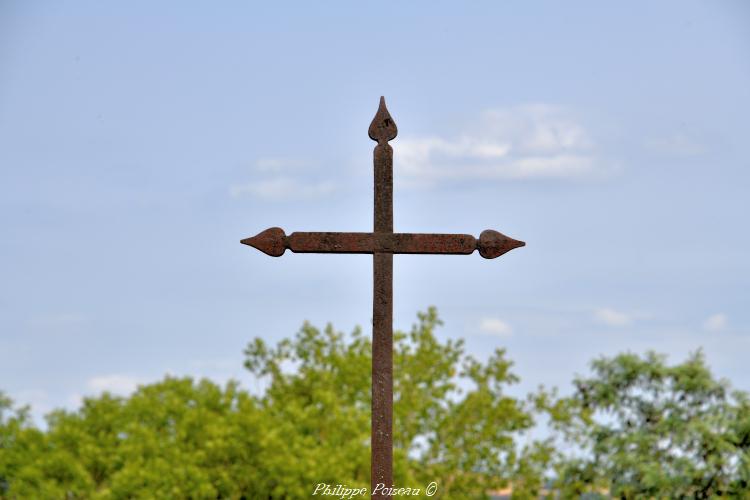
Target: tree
x=172, y=439
x=179, y=438
x=453, y=422
x=648, y=430
x=639, y=427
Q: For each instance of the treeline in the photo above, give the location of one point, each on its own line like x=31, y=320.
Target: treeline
x=635, y=428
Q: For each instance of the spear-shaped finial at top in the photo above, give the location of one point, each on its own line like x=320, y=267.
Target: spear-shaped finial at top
x=383, y=128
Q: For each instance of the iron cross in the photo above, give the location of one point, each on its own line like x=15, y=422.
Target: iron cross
x=382, y=243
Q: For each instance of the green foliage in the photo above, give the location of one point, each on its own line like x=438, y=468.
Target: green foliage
x=453, y=423
x=649, y=430
x=172, y=439
x=638, y=427
x=179, y=438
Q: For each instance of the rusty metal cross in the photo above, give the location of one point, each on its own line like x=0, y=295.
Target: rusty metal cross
x=382, y=243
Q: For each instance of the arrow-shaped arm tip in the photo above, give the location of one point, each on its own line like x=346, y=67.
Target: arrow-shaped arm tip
x=493, y=244
x=272, y=241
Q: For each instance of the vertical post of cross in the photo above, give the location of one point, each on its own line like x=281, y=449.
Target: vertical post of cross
x=382, y=129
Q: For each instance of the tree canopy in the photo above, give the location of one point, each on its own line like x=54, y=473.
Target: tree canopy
x=649, y=430
x=636, y=428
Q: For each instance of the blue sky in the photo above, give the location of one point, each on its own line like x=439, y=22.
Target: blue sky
x=139, y=142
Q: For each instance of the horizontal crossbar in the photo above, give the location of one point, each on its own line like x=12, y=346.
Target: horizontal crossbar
x=274, y=242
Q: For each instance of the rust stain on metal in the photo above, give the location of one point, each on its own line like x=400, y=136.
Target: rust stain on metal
x=490, y=244
x=331, y=242
x=272, y=241
x=382, y=243
x=382, y=129
x=493, y=244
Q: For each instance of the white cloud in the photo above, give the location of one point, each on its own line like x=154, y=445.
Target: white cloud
x=495, y=326
x=222, y=364
x=74, y=400
x=277, y=182
x=279, y=164
x=283, y=188
x=116, y=384
x=37, y=399
x=611, y=317
x=715, y=322
x=525, y=142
